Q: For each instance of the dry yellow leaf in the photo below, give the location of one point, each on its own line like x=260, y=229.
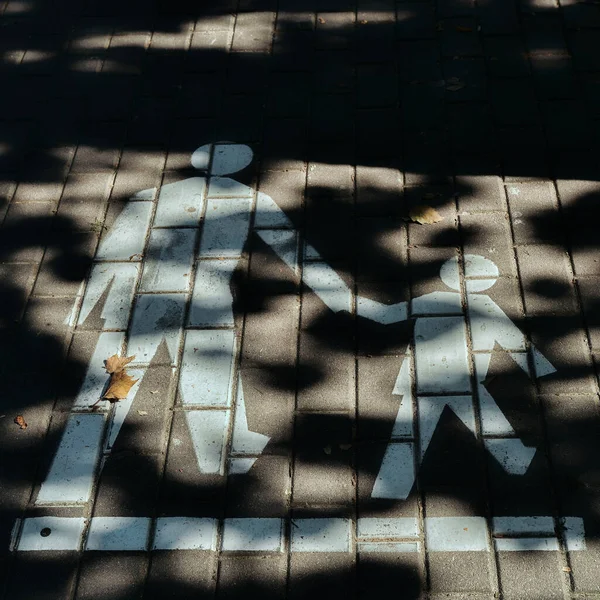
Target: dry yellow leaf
x=116, y=363
x=20, y=421
x=119, y=385
x=425, y=215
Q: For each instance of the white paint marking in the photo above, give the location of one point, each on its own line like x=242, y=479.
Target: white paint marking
x=328, y=285
x=180, y=204
x=381, y=313
x=208, y=431
x=526, y=544
x=574, y=533
x=493, y=421
x=518, y=525
x=512, y=454
x=185, y=533
x=321, y=535
x=268, y=214
x=490, y=325
x=541, y=364
x=72, y=472
x=441, y=355
x=212, y=300
x=430, y=411
x=64, y=533
x=96, y=378
x=462, y=534
x=285, y=244
x=156, y=317
x=224, y=187
x=169, y=259
x=120, y=280
x=244, y=440
x=207, y=368
x=390, y=527
x=225, y=228
x=240, y=466
x=262, y=535
x=436, y=303
x=127, y=236
x=230, y=158
x=397, y=472
x=389, y=547
x=118, y=534
x=403, y=425
x=123, y=406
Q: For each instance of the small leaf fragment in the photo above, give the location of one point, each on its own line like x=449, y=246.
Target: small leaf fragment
x=119, y=386
x=142, y=413
x=345, y=446
x=321, y=20
x=566, y=570
x=327, y=450
x=20, y=421
x=464, y=29
x=425, y=215
x=453, y=84
x=117, y=363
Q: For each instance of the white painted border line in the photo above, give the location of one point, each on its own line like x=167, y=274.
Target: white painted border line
x=442, y=534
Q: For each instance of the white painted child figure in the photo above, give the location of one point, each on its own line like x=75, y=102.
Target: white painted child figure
x=442, y=357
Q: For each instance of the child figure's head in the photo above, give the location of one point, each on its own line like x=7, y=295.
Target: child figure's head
x=222, y=158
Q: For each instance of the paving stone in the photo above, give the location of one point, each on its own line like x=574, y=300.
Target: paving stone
x=488, y=234
x=588, y=288
x=333, y=30
x=426, y=159
x=322, y=473
x=567, y=125
x=506, y=57
x=459, y=37
x=378, y=191
x=332, y=575
x=331, y=118
x=415, y=20
x=422, y=106
x=584, y=49
x=253, y=32
x=138, y=170
x=264, y=492
x=519, y=570
x=127, y=570
x=514, y=102
x=441, y=198
x=465, y=572
x=419, y=60
x=523, y=152
x=264, y=575
x=333, y=73
x=572, y=423
x=375, y=38
x=547, y=281
x=477, y=193
x=377, y=86
x=65, y=265
x=49, y=575
x=471, y=127
x=554, y=76
x=383, y=573
x=84, y=199
x=286, y=188
x=208, y=49
x=468, y=74
x=534, y=213
x=180, y=574
x=18, y=281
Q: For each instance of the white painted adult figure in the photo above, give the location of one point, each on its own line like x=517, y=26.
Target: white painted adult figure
x=442, y=358
x=141, y=282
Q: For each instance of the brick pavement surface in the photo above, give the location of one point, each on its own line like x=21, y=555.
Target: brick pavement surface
x=328, y=405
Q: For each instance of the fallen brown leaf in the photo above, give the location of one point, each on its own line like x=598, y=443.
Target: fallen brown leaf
x=116, y=363
x=119, y=386
x=426, y=215
x=464, y=29
x=20, y=421
x=321, y=20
